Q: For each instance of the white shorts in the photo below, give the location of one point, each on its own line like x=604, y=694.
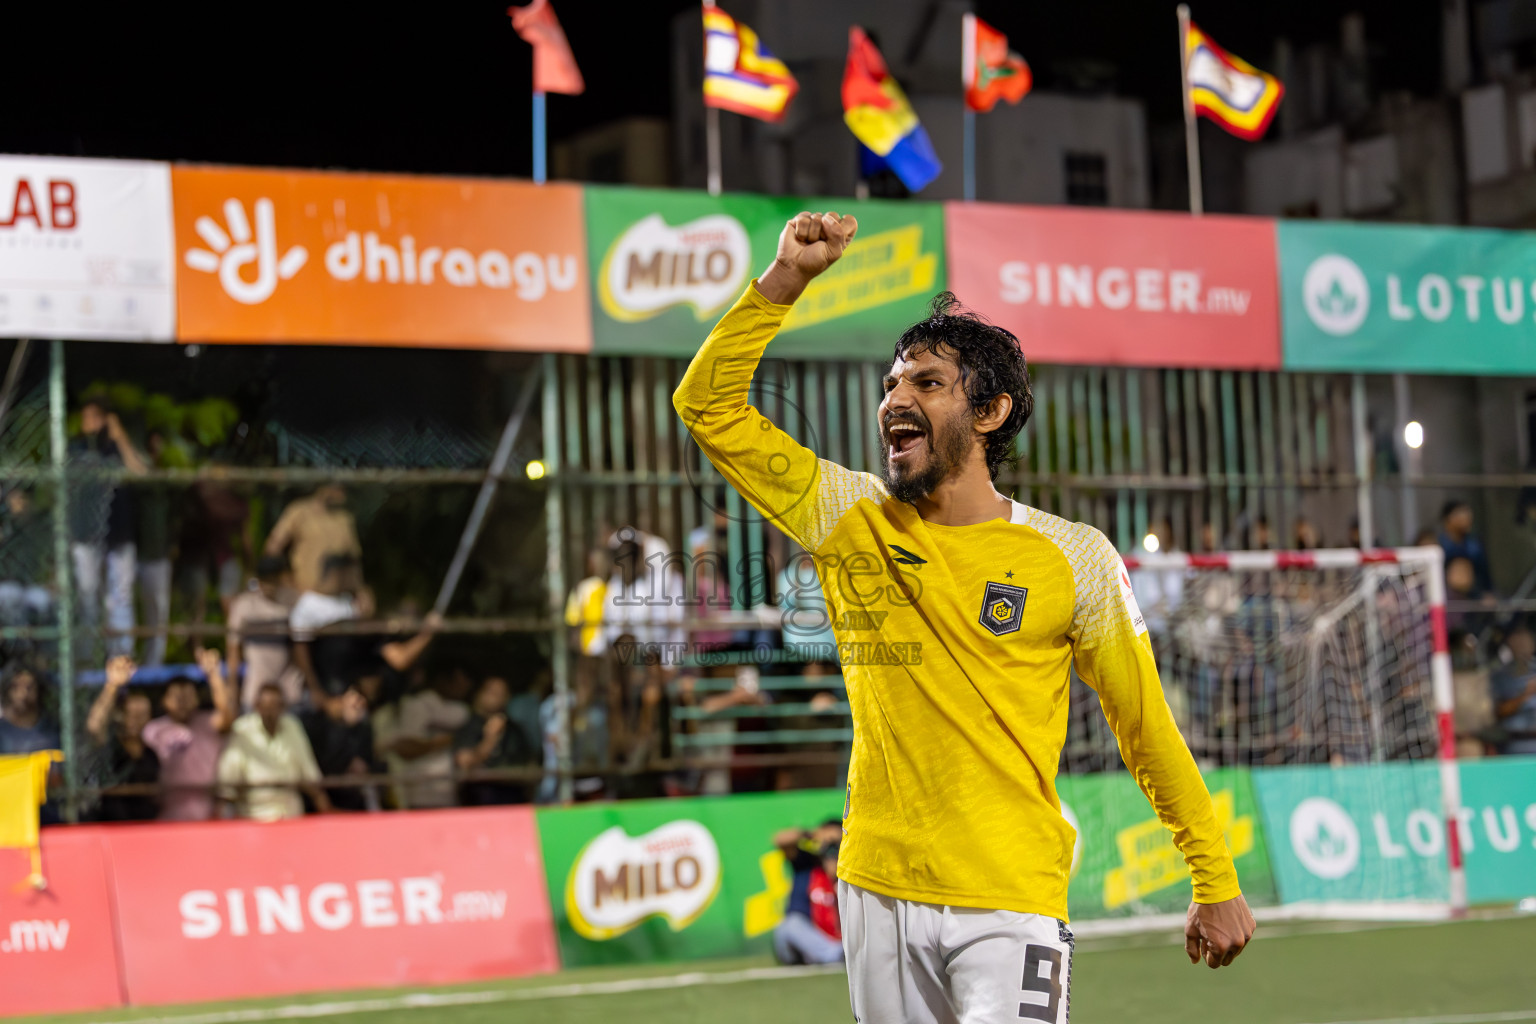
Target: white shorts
x=920, y=963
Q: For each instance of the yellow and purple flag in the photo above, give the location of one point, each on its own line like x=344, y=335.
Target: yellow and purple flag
x=1229, y=90
x=740, y=75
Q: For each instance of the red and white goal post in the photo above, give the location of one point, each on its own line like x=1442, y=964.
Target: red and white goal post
x=1351, y=647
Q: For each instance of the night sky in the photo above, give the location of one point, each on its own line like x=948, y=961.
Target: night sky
x=443, y=87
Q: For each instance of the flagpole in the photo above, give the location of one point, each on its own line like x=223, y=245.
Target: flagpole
x=538, y=137
x=712, y=133
x=1191, y=134
x=712, y=144
x=970, y=155
x=967, y=73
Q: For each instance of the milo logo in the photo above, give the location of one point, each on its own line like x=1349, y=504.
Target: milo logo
x=653, y=266
x=618, y=881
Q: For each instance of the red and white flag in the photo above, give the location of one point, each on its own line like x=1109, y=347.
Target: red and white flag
x=991, y=71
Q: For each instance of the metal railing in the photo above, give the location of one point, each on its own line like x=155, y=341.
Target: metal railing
x=1215, y=453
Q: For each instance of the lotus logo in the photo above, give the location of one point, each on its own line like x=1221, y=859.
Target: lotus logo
x=1336, y=295
x=1324, y=838
x=653, y=266
x=672, y=872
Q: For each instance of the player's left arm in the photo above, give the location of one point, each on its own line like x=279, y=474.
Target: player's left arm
x=1113, y=654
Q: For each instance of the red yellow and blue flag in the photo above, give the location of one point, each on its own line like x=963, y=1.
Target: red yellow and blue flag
x=879, y=115
x=1227, y=89
x=740, y=75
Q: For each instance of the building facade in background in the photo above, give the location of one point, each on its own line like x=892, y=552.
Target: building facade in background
x=1088, y=149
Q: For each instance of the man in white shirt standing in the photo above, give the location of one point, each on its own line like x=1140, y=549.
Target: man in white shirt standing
x=643, y=602
x=268, y=761
x=338, y=597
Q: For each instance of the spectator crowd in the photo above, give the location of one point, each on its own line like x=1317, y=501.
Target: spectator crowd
x=319, y=704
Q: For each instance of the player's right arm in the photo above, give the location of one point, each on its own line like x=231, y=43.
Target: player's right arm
x=780, y=477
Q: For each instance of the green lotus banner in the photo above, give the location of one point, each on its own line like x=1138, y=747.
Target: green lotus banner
x=1376, y=832
x=666, y=264
x=1343, y=833
x=1126, y=863
x=1407, y=299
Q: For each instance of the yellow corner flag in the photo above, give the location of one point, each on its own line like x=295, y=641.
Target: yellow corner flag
x=23, y=789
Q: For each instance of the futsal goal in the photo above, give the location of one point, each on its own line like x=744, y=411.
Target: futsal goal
x=1314, y=689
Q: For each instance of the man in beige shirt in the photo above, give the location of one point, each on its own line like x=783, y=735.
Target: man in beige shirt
x=258, y=634
x=312, y=528
x=420, y=745
x=268, y=761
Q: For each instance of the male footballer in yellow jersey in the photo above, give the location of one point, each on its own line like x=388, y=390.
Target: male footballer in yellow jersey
x=954, y=868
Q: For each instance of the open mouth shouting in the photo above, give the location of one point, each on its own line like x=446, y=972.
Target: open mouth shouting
x=904, y=440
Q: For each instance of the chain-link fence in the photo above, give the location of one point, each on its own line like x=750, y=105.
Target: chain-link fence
x=143, y=487
x=185, y=472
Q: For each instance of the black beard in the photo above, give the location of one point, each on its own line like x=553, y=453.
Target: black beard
x=948, y=446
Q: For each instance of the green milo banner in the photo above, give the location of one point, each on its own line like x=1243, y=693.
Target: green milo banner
x=1407, y=299
x=676, y=879
x=1125, y=862
x=1375, y=832
x=690, y=878
x=667, y=264
x=693, y=878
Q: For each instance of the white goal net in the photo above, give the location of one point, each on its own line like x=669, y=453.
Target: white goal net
x=1314, y=692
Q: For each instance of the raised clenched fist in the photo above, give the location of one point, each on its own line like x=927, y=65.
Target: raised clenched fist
x=809, y=244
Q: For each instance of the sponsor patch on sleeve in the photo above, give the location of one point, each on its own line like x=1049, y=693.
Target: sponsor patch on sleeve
x=1129, y=598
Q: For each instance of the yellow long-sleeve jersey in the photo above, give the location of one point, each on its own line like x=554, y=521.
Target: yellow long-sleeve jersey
x=956, y=642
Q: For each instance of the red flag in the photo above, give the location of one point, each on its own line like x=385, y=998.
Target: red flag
x=991, y=70
x=554, y=68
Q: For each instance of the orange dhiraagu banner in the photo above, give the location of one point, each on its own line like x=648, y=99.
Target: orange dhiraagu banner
x=58, y=952
x=1103, y=287
x=290, y=256
x=233, y=909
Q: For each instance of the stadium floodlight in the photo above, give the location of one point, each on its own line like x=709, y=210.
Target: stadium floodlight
x=1150, y=543
x=535, y=470
x=1413, y=434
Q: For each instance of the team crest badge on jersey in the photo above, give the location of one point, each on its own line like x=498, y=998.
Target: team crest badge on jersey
x=1002, y=608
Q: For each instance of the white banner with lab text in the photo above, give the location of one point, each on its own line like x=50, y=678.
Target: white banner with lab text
x=86, y=249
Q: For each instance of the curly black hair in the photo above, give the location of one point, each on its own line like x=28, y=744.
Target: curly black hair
x=991, y=363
